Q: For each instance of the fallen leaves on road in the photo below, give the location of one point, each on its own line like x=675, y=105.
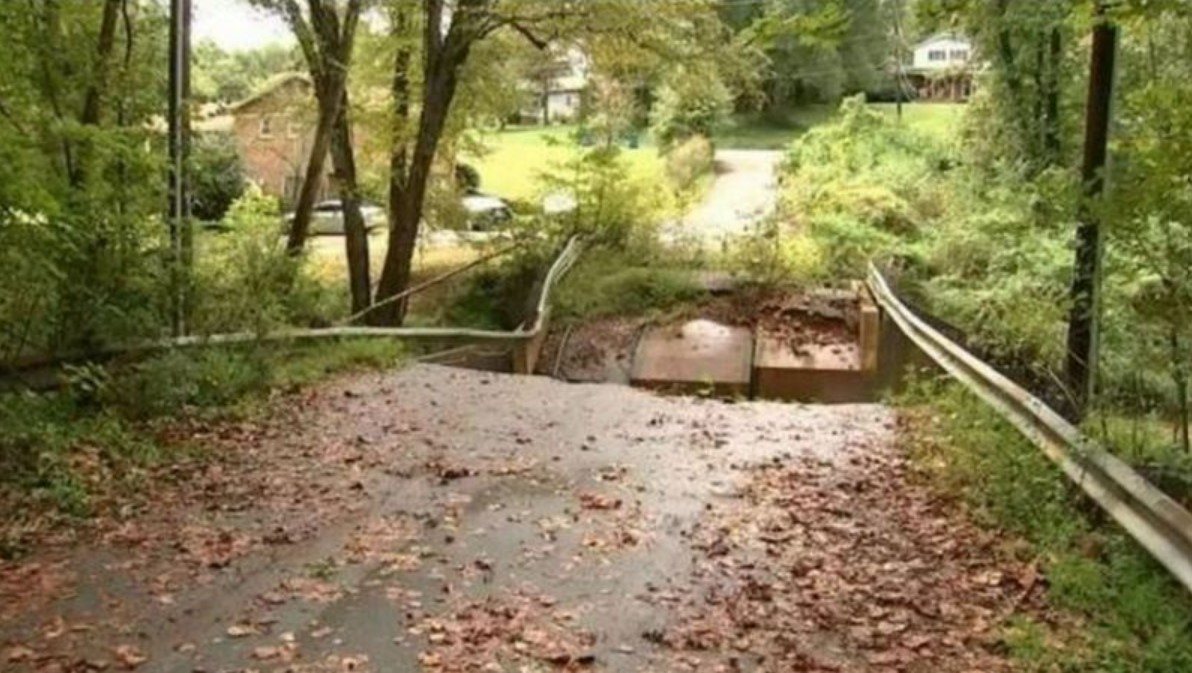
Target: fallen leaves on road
x=843, y=567
x=590, y=500
x=129, y=656
x=510, y=627
x=241, y=630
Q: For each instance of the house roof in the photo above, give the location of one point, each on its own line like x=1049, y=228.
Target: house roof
x=943, y=35
x=215, y=123
x=271, y=86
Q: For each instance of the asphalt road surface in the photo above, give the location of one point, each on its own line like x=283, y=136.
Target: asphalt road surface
x=446, y=520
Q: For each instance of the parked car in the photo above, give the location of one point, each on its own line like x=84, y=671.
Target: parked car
x=327, y=219
x=485, y=211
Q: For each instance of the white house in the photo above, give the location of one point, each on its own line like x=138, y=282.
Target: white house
x=556, y=89
x=942, y=67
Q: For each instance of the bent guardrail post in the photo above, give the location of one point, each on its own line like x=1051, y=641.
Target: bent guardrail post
x=1151, y=517
x=536, y=327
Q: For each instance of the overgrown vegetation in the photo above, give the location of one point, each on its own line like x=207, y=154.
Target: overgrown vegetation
x=977, y=225
x=986, y=246
x=610, y=284
x=1111, y=607
x=689, y=162
x=243, y=279
x=71, y=452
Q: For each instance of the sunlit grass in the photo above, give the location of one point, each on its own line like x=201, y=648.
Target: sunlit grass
x=941, y=120
x=514, y=160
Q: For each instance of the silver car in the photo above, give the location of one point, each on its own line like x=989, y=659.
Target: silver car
x=327, y=218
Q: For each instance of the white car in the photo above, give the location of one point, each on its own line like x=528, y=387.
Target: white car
x=327, y=218
x=485, y=211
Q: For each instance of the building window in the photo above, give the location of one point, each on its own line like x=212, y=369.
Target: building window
x=289, y=189
x=292, y=128
x=266, y=130
x=960, y=54
x=937, y=55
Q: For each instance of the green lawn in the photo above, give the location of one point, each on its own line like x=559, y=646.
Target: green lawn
x=757, y=132
x=761, y=132
x=938, y=119
x=516, y=158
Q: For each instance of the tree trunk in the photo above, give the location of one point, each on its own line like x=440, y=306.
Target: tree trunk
x=409, y=179
x=92, y=112
x=1179, y=377
x=1052, y=141
x=300, y=229
x=106, y=45
x=355, y=235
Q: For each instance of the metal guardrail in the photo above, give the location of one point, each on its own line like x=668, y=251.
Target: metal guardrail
x=563, y=263
x=1152, y=518
x=526, y=339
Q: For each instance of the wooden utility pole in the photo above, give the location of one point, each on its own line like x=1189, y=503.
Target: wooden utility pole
x=179, y=147
x=898, y=74
x=1081, y=366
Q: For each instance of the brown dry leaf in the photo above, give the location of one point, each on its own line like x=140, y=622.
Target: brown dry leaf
x=241, y=631
x=129, y=656
x=921, y=588
x=266, y=652
x=55, y=628
x=19, y=653
x=598, y=501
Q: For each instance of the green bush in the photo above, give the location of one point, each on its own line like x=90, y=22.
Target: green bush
x=217, y=177
x=178, y=382
x=876, y=206
x=689, y=161
x=775, y=254
x=690, y=104
x=611, y=208
x=497, y=296
x=604, y=284
x=848, y=243
x=244, y=280
x=53, y=456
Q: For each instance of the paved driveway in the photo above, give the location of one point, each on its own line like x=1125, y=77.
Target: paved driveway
x=743, y=192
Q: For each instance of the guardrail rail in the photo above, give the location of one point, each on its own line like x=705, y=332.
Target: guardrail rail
x=526, y=340
x=1153, y=519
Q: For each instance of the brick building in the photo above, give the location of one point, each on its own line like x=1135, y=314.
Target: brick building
x=274, y=129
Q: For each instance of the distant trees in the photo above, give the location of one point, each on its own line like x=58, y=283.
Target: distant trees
x=814, y=51
x=690, y=104
x=433, y=49
x=220, y=76
x=1033, y=70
